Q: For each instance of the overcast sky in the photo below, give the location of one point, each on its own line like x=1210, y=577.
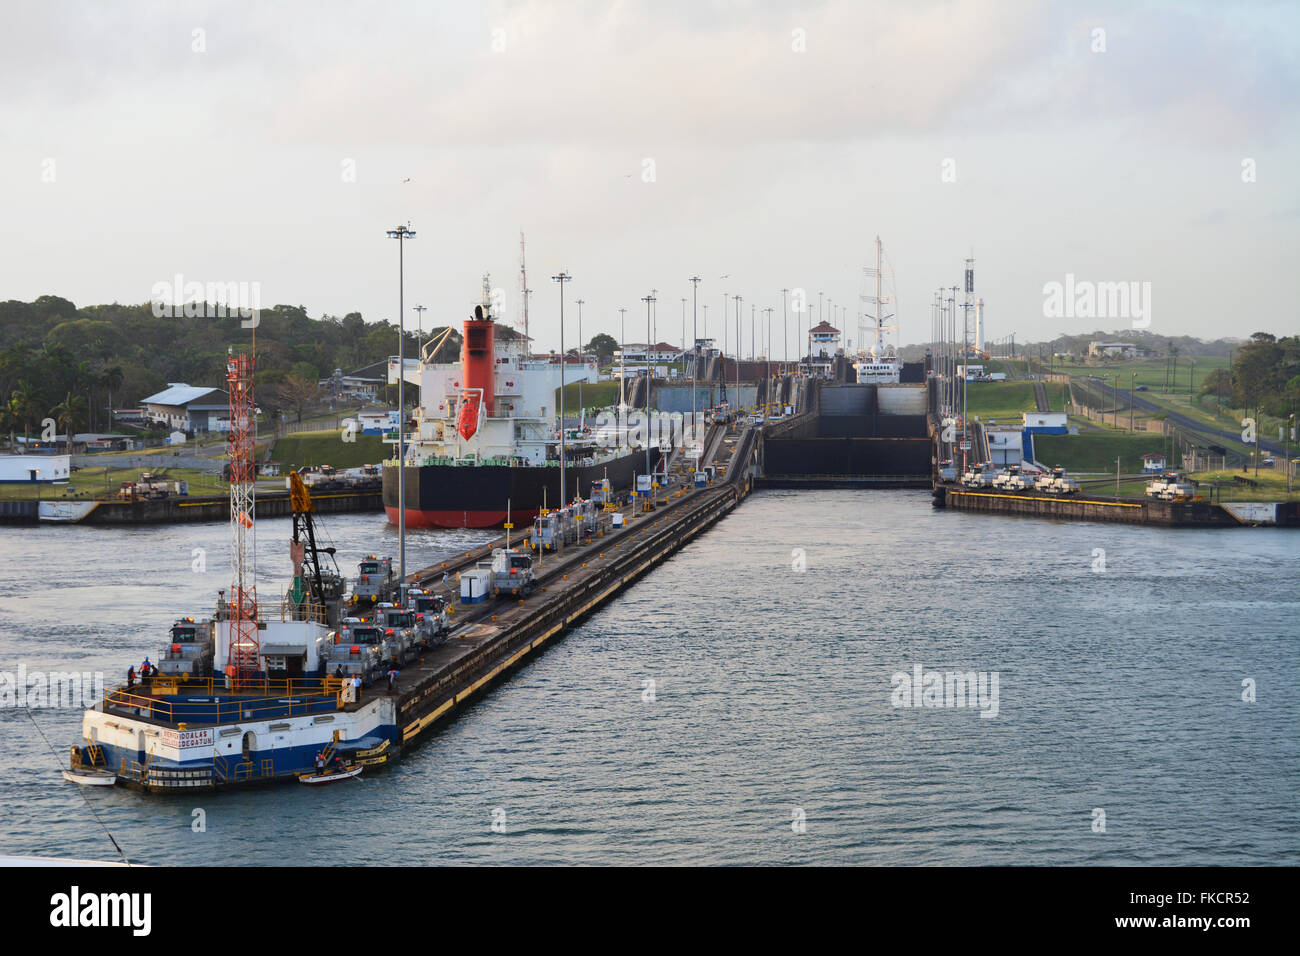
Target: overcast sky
x=637, y=144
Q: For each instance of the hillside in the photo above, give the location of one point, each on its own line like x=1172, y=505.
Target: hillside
x=54, y=353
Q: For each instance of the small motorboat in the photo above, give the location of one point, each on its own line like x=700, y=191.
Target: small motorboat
x=330, y=774
x=89, y=777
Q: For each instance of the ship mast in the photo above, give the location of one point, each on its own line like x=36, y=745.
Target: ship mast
x=244, y=645
x=876, y=314
x=879, y=270
x=524, y=291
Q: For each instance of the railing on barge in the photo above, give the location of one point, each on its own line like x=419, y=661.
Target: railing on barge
x=182, y=701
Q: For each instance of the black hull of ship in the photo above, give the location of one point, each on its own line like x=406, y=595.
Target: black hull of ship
x=459, y=496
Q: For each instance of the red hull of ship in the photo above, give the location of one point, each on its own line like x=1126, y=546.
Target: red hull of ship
x=424, y=518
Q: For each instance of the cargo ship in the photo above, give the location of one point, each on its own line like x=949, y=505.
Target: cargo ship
x=485, y=442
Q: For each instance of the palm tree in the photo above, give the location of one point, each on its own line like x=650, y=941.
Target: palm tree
x=21, y=405
x=67, y=413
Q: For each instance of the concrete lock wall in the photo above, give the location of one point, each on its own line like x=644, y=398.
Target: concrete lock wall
x=677, y=398
x=901, y=399
x=870, y=426
x=848, y=400
x=847, y=456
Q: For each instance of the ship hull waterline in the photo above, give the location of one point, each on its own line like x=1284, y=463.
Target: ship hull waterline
x=476, y=496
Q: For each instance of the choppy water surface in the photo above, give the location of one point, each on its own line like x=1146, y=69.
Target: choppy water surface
x=1118, y=689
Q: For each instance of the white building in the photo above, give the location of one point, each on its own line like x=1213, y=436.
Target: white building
x=638, y=352
x=34, y=469
x=1117, y=350
x=1005, y=446
x=189, y=408
x=1046, y=422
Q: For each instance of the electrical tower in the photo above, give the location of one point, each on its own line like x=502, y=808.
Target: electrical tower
x=244, y=646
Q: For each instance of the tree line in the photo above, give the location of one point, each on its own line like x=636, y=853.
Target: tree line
x=73, y=364
x=1265, y=376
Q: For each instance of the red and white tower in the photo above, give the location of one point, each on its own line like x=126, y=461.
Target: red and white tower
x=244, y=645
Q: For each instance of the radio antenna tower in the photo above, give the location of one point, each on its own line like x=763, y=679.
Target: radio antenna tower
x=245, y=646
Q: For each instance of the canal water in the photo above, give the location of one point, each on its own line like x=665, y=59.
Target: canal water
x=746, y=703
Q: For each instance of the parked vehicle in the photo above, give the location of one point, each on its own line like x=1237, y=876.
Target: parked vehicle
x=431, y=616
x=1171, y=486
x=979, y=476
x=357, y=651
x=1056, y=482
x=375, y=581
x=401, y=637
x=512, y=573
x=190, y=651
x=1011, y=479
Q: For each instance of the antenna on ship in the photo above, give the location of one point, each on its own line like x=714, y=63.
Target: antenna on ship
x=524, y=291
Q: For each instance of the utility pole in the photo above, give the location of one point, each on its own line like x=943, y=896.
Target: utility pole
x=401, y=234
x=562, y=278
x=419, y=320
x=1132, y=391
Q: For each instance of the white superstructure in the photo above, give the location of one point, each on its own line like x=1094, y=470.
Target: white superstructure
x=522, y=426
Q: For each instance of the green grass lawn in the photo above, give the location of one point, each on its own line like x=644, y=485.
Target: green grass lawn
x=1002, y=401
x=95, y=481
x=1150, y=372
x=594, y=395
x=329, y=448
x=1272, y=486
x=1097, y=451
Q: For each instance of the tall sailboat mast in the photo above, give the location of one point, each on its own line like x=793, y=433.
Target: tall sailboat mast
x=879, y=316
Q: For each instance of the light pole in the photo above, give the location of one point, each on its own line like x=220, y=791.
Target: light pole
x=768, y=352
x=419, y=320
x=753, y=312
x=645, y=437
x=738, y=334
x=695, y=361
x=582, y=409
x=401, y=234
x=622, y=377
x=562, y=278
x=724, y=342
x=785, y=326
x=654, y=333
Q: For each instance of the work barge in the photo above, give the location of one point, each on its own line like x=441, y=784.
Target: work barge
x=177, y=735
